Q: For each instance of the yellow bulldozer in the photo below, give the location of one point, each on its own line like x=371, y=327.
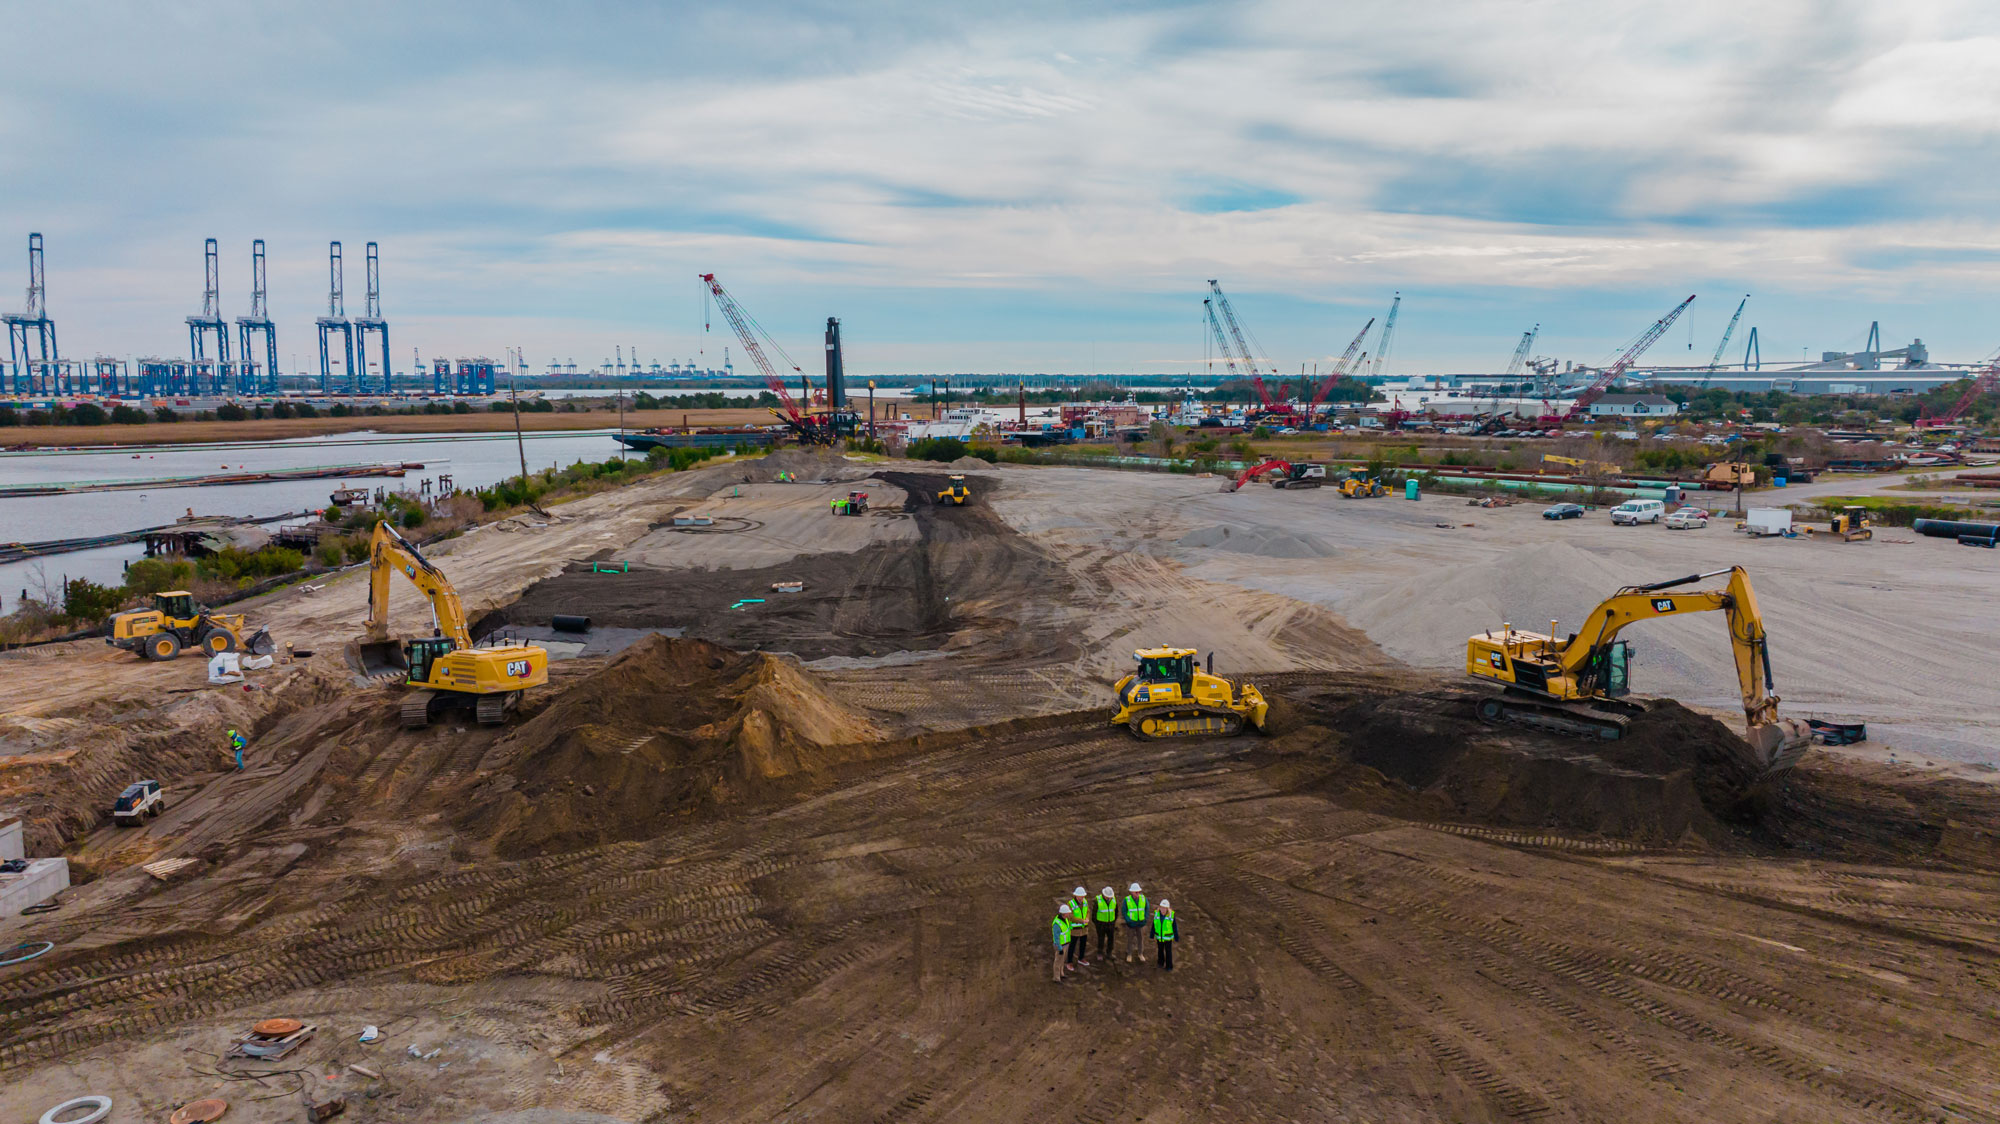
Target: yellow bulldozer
x=447, y=670
x=955, y=492
x=175, y=623
x=1169, y=697
x=1580, y=685
x=1851, y=523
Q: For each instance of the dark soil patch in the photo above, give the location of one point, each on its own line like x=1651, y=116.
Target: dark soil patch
x=958, y=583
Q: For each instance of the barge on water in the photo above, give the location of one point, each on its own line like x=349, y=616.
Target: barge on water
x=650, y=439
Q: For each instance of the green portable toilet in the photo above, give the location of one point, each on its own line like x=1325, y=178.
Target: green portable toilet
x=1409, y=489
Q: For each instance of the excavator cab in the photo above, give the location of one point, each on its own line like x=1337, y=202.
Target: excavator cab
x=424, y=654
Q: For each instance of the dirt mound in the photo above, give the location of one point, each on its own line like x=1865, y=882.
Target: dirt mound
x=969, y=463
x=1265, y=542
x=1673, y=780
x=667, y=728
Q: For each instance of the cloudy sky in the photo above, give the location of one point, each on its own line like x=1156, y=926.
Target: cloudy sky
x=1009, y=187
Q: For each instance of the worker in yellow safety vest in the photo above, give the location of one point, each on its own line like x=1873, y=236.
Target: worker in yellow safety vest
x=1164, y=933
x=1135, y=922
x=1079, y=933
x=1104, y=919
x=1059, y=929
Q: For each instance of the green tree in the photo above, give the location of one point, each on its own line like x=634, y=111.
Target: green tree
x=85, y=600
x=231, y=412
x=126, y=415
x=87, y=413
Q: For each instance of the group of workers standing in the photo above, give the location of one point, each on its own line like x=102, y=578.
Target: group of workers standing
x=1070, y=928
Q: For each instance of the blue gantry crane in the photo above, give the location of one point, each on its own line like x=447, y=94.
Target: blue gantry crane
x=210, y=374
x=31, y=335
x=371, y=320
x=253, y=377
x=335, y=320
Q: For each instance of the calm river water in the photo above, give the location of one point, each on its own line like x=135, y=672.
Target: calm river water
x=472, y=460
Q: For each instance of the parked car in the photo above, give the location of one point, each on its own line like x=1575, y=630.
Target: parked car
x=1563, y=511
x=1692, y=519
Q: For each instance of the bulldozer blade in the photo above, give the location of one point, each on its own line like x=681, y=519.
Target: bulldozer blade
x=371, y=658
x=260, y=643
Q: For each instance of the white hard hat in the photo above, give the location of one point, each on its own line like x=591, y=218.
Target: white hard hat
x=1135, y=887
x=1165, y=904
x=1081, y=892
x=1108, y=891
x=1064, y=908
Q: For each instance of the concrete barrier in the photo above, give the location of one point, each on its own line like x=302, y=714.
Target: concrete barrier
x=44, y=879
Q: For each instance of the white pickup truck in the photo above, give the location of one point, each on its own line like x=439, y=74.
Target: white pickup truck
x=139, y=800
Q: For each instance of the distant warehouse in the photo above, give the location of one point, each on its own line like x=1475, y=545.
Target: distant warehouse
x=1634, y=406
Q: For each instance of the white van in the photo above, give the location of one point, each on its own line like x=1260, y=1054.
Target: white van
x=1639, y=511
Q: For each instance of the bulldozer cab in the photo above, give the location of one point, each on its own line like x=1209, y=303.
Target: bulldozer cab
x=424, y=654
x=177, y=605
x=1167, y=665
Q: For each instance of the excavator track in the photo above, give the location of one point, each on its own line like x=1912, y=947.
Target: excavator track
x=416, y=712
x=1553, y=717
x=491, y=710
x=1185, y=722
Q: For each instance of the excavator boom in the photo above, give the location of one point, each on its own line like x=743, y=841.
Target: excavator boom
x=390, y=551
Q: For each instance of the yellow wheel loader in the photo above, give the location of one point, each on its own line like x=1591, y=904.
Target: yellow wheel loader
x=1169, y=697
x=175, y=624
x=1359, y=487
x=1579, y=685
x=955, y=492
x=447, y=670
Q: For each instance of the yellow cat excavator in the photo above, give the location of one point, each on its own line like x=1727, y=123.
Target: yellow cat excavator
x=1579, y=685
x=1169, y=697
x=447, y=669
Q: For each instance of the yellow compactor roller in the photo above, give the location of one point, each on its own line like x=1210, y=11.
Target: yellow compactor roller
x=1169, y=697
x=955, y=492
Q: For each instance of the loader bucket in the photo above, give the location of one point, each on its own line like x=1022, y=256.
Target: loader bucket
x=260, y=643
x=377, y=657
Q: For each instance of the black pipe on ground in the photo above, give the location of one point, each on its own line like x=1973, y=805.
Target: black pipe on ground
x=569, y=623
x=1954, y=528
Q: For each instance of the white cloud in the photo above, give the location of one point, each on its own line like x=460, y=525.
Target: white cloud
x=562, y=168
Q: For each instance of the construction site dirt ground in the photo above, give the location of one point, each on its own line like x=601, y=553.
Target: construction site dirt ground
x=699, y=879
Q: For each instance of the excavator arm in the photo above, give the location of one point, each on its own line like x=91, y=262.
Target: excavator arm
x=390, y=552
x=1747, y=639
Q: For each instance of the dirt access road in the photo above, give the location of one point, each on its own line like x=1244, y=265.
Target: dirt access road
x=692, y=884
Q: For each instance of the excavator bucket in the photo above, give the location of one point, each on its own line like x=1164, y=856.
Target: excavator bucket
x=371, y=658
x=1778, y=745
